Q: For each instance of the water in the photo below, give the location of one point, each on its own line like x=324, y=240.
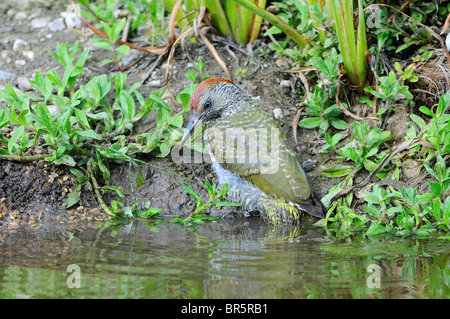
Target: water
x=225, y=259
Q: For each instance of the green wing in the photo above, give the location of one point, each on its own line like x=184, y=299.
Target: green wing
x=263, y=158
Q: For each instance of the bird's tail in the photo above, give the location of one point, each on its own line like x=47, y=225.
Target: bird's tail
x=315, y=209
x=278, y=212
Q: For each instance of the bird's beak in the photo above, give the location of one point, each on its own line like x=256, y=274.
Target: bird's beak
x=193, y=123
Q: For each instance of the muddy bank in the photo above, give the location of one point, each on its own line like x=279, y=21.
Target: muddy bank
x=34, y=192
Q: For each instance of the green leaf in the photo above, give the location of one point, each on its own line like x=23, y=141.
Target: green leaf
x=73, y=199
x=127, y=105
x=62, y=159
x=311, y=122
x=123, y=49
x=81, y=116
x=113, y=188
x=12, y=143
x=103, y=44
x=149, y=213
x=427, y=111
x=435, y=189
x=89, y=134
x=337, y=171
x=180, y=220
x=194, y=194
x=223, y=191
x=376, y=229
x=339, y=124
x=419, y=121
x=227, y=204
x=117, y=29
x=369, y=165
x=203, y=217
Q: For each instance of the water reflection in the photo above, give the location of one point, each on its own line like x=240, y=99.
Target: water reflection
x=226, y=259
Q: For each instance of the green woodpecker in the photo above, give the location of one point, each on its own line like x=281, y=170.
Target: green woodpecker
x=250, y=153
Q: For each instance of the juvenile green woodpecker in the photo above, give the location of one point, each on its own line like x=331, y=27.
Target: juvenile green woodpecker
x=250, y=153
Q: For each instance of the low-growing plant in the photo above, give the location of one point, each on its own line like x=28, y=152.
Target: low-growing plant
x=114, y=33
x=93, y=128
x=352, y=43
x=364, y=149
x=89, y=129
x=329, y=71
x=436, y=132
x=71, y=69
x=214, y=200
x=322, y=115
x=241, y=72
x=391, y=89
x=387, y=211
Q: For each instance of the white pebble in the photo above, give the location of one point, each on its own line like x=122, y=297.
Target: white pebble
x=155, y=83
x=56, y=25
x=285, y=83
x=39, y=23
x=21, y=15
x=23, y=84
x=447, y=41
x=19, y=44
x=71, y=19
x=28, y=54
x=20, y=62
x=277, y=113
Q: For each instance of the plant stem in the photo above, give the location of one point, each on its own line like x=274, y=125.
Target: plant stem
x=24, y=158
x=96, y=189
x=273, y=19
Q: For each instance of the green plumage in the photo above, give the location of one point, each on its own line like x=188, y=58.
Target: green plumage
x=288, y=182
x=252, y=154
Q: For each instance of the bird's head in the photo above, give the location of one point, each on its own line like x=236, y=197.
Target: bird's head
x=212, y=99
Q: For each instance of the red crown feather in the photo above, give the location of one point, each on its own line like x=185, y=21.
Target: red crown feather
x=200, y=89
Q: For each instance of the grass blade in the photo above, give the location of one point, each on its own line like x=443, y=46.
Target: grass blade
x=274, y=20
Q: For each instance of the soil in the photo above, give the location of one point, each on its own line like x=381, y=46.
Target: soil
x=34, y=192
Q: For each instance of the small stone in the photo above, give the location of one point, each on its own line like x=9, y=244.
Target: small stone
x=20, y=62
x=309, y=165
x=34, y=4
x=95, y=211
x=28, y=54
x=277, y=113
x=39, y=23
x=23, y=84
x=71, y=19
x=361, y=192
x=411, y=168
x=19, y=44
x=447, y=41
x=56, y=25
x=21, y=15
x=5, y=58
x=282, y=62
x=5, y=76
x=155, y=83
x=36, y=13
x=130, y=57
x=285, y=83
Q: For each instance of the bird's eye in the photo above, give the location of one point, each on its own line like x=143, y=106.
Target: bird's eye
x=207, y=104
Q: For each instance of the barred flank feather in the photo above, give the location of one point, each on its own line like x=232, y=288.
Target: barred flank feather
x=278, y=212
